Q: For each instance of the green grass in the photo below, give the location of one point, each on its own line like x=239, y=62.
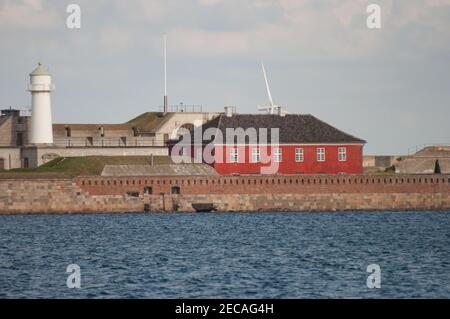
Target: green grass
x=147, y=121
x=76, y=166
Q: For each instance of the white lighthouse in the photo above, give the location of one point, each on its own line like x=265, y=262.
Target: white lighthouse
x=41, y=119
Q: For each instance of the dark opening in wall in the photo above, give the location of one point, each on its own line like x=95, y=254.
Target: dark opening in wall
x=437, y=167
x=133, y=194
x=175, y=190
x=19, y=139
x=148, y=190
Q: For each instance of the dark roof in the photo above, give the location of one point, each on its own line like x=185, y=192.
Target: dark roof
x=293, y=128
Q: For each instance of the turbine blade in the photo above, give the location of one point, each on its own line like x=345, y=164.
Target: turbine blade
x=267, y=85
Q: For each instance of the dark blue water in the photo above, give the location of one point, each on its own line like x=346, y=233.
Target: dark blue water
x=250, y=255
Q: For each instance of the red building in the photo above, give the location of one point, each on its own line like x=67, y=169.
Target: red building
x=305, y=145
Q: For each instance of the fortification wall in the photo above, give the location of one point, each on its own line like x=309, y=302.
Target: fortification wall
x=58, y=196
x=258, y=193
x=280, y=184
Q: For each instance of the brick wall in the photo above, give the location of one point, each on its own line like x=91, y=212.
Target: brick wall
x=10, y=125
x=287, y=193
x=7, y=131
x=58, y=196
x=280, y=184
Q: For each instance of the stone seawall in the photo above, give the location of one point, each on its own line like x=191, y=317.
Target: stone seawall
x=281, y=193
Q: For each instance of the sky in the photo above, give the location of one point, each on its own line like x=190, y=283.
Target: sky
x=389, y=86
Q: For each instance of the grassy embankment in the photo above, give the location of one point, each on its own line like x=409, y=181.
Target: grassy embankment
x=78, y=166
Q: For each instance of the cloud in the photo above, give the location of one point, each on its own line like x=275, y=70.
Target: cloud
x=320, y=56
x=152, y=11
x=337, y=29
x=210, y=2
x=438, y=3
x=115, y=38
x=209, y=43
x=27, y=14
x=289, y=29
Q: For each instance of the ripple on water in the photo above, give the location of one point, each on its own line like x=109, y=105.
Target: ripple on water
x=249, y=255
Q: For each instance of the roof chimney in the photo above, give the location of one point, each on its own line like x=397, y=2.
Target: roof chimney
x=228, y=111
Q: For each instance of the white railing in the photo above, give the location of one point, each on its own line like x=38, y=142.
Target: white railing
x=106, y=142
x=414, y=149
x=41, y=87
x=182, y=108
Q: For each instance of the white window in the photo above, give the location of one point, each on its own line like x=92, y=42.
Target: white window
x=299, y=155
x=256, y=155
x=321, y=154
x=342, y=154
x=278, y=155
x=234, y=156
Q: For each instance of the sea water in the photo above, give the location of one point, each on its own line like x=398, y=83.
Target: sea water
x=226, y=255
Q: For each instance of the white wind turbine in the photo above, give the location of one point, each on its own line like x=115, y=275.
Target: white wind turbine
x=272, y=108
